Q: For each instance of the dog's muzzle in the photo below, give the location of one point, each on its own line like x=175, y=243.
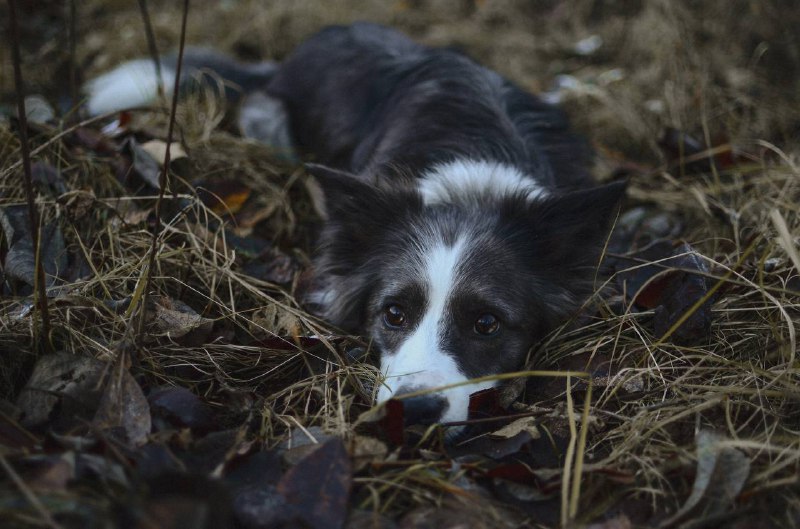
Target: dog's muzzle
x=422, y=409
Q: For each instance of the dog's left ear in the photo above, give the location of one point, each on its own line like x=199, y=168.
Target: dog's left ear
x=571, y=228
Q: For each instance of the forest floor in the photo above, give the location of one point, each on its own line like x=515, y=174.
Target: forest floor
x=207, y=396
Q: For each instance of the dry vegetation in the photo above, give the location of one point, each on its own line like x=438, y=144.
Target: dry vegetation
x=693, y=432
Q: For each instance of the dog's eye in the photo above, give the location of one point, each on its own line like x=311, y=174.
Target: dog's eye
x=394, y=316
x=487, y=324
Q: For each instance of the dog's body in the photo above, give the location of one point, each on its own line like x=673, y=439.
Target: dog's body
x=460, y=222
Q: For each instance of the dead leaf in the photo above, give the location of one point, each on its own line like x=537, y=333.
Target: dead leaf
x=144, y=164
x=252, y=480
x=301, y=443
x=124, y=405
x=525, y=424
x=392, y=422
x=364, y=450
x=21, y=257
x=273, y=266
x=176, y=407
x=77, y=203
x=158, y=150
x=318, y=487
x=223, y=196
x=721, y=473
x=63, y=390
x=671, y=287
x=485, y=403
x=38, y=109
x=48, y=176
x=176, y=319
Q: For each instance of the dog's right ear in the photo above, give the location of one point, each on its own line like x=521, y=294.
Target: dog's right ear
x=333, y=190
x=358, y=216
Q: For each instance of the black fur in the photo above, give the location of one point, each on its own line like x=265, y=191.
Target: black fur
x=366, y=99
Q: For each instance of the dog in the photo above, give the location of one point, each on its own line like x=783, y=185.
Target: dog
x=461, y=222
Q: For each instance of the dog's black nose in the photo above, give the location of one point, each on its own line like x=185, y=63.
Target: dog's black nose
x=424, y=409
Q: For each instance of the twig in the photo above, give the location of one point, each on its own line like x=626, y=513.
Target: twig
x=73, y=63
x=152, y=47
x=163, y=177
x=33, y=214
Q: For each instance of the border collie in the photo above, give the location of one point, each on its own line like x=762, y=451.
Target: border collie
x=461, y=221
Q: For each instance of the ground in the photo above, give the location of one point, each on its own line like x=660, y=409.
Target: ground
x=195, y=390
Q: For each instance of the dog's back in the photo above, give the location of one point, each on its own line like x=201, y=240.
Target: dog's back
x=367, y=99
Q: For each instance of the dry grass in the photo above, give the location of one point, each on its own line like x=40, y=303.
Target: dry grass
x=661, y=64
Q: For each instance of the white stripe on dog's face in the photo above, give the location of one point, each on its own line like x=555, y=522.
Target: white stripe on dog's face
x=420, y=362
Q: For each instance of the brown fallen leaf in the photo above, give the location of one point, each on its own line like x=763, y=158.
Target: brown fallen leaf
x=158, y=150
x=21, y=256
x=223, y=196
x=721, y=474
x=123, y=405
x=77, y=204
x=176, y=407
x=176, y=319
x=524, y=424
x=671, y=287
x=63, y=391
x=144, y=164
x=318, y=487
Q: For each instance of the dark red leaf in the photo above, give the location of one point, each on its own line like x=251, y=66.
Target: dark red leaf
x=671, y=288
x=485, y=403
x=317, y=488
x=392, y=423
x=516, y=472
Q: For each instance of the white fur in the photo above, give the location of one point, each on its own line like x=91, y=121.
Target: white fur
x=129, y=85
x=451, y=180
x=420, y=363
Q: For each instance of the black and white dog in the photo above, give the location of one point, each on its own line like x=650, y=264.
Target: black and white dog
x=462, y=224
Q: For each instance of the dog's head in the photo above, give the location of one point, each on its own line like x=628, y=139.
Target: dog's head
x=451, y=284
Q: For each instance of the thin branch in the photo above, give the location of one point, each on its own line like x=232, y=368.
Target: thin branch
x=163, y=177
x=73, y=60
x=40, y=287
x=152, y=47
